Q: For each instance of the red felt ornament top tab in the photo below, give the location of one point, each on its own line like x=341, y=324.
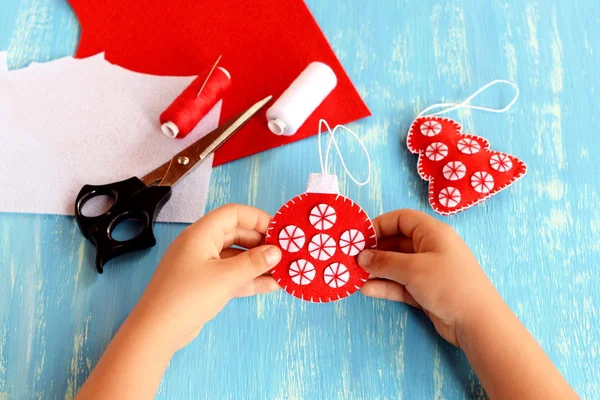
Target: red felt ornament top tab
x=265, y=44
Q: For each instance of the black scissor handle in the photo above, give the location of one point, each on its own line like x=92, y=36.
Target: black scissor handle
x=132, y=199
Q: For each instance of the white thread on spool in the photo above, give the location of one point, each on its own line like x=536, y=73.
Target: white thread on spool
x=300, y=99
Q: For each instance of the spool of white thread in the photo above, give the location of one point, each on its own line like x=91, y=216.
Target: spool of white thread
x=299, y=100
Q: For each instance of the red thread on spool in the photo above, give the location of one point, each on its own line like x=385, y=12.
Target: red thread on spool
x=178, y=120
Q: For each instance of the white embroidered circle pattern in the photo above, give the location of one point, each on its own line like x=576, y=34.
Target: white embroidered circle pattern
x=352, y=242
x=454, y=170
x=302, y=272
x=468, y=146
x=482, y=182
x=322, y=217
x=321, y=247
x=291, y=238
x=336, y=275
x=436, y=151
x=501, y=162
x=431, y=128
x=449, y=197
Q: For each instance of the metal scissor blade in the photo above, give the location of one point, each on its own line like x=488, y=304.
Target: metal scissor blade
x=231, y=127
x=184, y=161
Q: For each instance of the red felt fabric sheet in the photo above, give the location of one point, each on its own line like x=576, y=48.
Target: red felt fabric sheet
x=265, y=44
x=461, y=168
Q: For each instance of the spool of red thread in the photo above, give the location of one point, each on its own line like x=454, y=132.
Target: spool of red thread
x=180, y=118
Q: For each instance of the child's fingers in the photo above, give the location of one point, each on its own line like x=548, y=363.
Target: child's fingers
x=396, y=243
x=260, y=285
x=229, y=253
x=398, y=267
x=426, y=232
x=405, y=245
x=389, y=290
x=402, y=222
x=251, y=263
x=232, y=252
x=221, y=222
x=244, y=238
x=232, y=216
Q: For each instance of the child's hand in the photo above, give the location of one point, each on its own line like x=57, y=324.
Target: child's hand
x=197, y=276
x=424, y=263
x=200, y=273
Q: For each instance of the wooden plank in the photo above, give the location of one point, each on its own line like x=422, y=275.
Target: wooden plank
x=539, y=241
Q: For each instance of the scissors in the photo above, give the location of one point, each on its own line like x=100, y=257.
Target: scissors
x=142, y=199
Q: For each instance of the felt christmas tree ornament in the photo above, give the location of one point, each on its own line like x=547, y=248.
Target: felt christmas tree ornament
x=320, y=234
x=461, y=168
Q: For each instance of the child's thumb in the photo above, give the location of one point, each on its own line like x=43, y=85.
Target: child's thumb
x=399, y=267
x=254, y=262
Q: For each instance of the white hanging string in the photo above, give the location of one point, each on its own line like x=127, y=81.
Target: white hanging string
x=447, y=107
x=325, y=163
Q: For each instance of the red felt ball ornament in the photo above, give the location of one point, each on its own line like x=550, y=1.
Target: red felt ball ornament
x=320, y=235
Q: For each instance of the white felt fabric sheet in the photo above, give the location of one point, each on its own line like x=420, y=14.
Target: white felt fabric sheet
x=70, y=122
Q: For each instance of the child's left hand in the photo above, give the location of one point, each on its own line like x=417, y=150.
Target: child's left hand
x=200, y=272
x=197, y=276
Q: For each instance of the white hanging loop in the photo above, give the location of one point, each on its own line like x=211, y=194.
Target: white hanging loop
x=325, y=163
x=447, y=107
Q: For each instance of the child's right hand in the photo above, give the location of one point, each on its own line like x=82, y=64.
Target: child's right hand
x=423, y=262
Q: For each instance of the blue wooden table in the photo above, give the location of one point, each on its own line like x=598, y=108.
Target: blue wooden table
x=539, y=241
